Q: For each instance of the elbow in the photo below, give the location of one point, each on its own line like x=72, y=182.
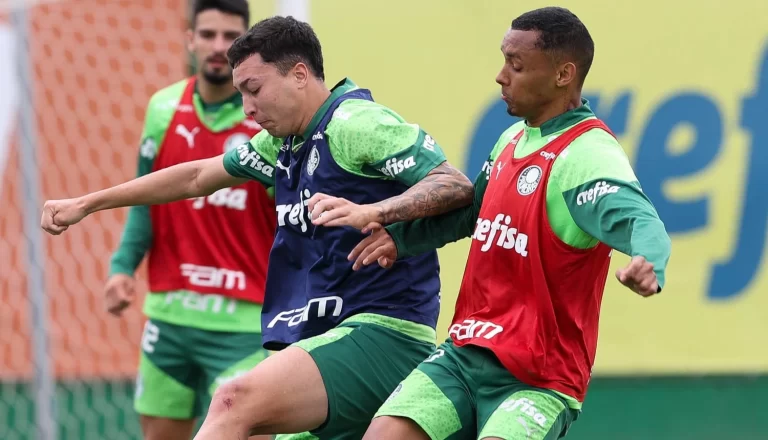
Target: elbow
x=452, y=185
x=664, y=238
x=667, y=243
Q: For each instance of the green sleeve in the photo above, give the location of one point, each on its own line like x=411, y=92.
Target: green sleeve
x=255, y=160
x=605, y=200
x=426, y=234
x=136, y=239
x=372, y=140
x=618, y=214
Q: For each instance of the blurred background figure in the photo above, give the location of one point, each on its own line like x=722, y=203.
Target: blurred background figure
x=206, y=272
x=686, y=99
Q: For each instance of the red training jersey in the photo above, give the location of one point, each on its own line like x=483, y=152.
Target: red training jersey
x=526, y=295
x=216, y=244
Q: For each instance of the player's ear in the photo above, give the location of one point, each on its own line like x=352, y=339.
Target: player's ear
x=566, y=74
x=300, y=73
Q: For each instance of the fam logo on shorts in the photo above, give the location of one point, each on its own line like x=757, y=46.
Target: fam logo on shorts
x=235, y=141
x=529, y=180
x=294, y=317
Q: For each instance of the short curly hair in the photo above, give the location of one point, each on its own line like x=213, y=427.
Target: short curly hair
x=562, y=34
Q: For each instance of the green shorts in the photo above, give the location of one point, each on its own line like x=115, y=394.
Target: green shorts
x=361, y=361
x=181, y=367
x=466, y=393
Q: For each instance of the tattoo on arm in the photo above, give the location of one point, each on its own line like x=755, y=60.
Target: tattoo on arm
x=444, y=189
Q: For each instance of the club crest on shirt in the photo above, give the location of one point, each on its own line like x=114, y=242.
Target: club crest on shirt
x=529, y=180
x=314, y=161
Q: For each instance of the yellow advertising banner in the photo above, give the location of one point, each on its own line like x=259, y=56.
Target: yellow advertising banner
x=683, y=84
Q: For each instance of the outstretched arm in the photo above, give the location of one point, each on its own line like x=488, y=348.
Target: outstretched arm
x=618, y=214
x=182, y=181
x=606, y=202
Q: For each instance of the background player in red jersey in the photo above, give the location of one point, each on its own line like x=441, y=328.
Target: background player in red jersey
x=207, y=270
x=555, y=197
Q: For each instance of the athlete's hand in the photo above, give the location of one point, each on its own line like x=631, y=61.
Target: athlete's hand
x=58, y=215
x=639, y=276
x=327, y=210
x=119, y=293
x=378, y=247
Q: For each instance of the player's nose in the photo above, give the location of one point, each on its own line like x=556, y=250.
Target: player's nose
x=500, y=78
x=249, y=107
x=221, y=45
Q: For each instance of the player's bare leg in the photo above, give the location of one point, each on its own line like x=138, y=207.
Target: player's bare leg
x=160, y=428
x=394, y=428
x=282, y=394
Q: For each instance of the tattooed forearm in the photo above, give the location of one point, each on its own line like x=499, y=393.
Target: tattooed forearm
x=444, y=189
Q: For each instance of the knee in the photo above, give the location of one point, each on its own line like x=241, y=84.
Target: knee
x=232, y=397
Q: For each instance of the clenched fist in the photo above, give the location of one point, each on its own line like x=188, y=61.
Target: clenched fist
x=119, y=293
x=639, y=276
x=58, y=215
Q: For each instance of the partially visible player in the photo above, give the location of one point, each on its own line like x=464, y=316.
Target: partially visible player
x=208, y=255
x=333, y=155
x=555, y=197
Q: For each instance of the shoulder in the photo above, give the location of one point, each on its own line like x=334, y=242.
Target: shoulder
x=166, y=100
x=597, y=147
x=160, y=110
x=597, y=139
x=367, y=132
x=595, y=154
x=266, y=144
x=357, y=115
